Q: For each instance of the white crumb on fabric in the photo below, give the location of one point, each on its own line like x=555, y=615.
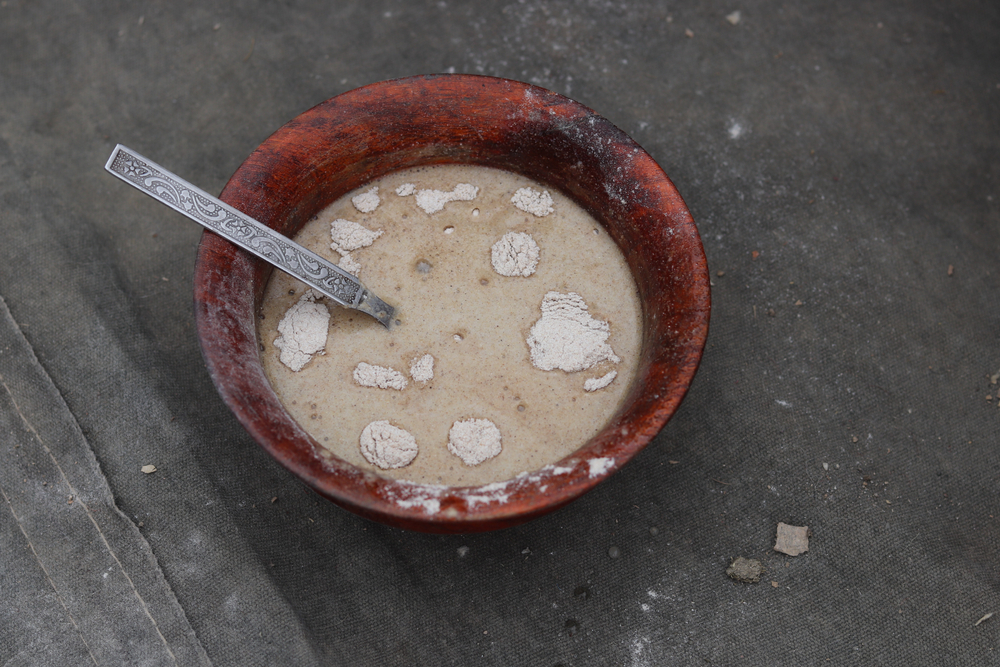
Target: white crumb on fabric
x=367, y=202
x=593, y=384
x=148, y=469
x=733, y=18
x=422, y=369
x=349, y=264
x=515, y=254
x=383, y=377
x=432, y=201
x=600, y=466
x=474, y=440
x=567, y=337
x=406, y=189
x=791, y=540
x=529, y=200
x=347, y=235
x=302, y=331
x=387, y=446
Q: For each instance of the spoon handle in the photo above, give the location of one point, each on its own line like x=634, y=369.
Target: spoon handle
x=247, y=233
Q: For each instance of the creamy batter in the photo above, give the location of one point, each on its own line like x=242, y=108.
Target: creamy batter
x=452, y=304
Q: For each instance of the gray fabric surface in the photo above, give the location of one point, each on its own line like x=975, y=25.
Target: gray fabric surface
x=842, y=163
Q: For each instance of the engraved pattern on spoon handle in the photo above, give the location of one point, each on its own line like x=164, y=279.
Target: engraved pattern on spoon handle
x=236, y=227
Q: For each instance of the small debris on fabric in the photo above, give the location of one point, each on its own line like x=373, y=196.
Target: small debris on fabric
x=985, y=617
x=746, y=570
x=614, y=552
x=688, y=33
x=463, y=552
x=755, y=254
x=792, y=540
x=951, y=270
x=774, y=584
x=733, y=18
x=720, y=273
x=148, y=469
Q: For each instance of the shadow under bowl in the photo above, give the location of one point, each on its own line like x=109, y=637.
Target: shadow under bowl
x=369, y=132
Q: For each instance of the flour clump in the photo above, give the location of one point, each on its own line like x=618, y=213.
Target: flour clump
x=367, y=202
x=347, y=236
x=406, y=189
x=432, y=201
x=422, y=369
x=387, y=446
x=302, y=331
x=349, y=264
x=567, y=337
x=474, y=440
x=368, y=375
x=593, y=384
x=532, y=201
x=515, y=254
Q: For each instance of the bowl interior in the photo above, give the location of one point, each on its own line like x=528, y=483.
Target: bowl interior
x=366, y=133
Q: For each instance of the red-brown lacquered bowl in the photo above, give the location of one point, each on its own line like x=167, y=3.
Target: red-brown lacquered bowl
x=366, y=133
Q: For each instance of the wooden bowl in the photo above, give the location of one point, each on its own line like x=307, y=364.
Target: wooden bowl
x=366, y=133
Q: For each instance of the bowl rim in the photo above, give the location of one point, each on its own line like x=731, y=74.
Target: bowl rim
x=365, y=133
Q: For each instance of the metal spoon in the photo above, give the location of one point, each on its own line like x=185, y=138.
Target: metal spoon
x=247, y=233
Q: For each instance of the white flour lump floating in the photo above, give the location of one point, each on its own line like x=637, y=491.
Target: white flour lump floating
x=474, y=440
x=422, y=369
x=347, y=236
x=567, y=337
x=593, y=384
x=515, y=254
x=381, y=377
x=387, y=446
x=349, y=264
x=532, y=201
x=367, y=202
x=302, y=331
x=433, y=201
